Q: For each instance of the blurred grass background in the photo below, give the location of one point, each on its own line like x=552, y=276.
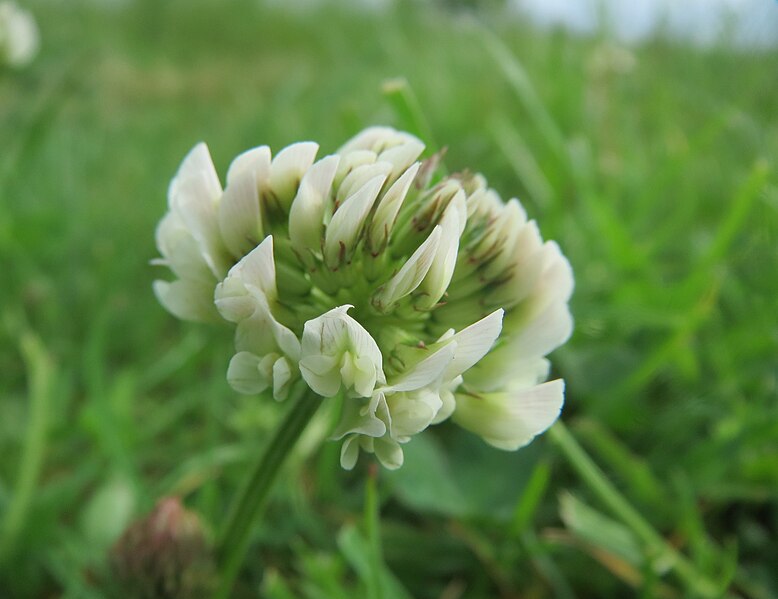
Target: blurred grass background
x=654, y=168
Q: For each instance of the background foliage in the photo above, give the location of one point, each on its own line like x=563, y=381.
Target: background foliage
x=652, y=166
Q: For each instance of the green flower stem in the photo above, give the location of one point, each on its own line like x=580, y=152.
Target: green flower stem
x=658, y=549
x=372, y=529
x=234, y=539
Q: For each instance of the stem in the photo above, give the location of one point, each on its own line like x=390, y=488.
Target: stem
x=40, y=374
x=234, y=539
x=372, y=525
x=659, y=550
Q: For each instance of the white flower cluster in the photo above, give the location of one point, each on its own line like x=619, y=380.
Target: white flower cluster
x=19, y=38
x=354, y=275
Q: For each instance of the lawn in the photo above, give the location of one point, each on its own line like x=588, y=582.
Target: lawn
x=652, y=166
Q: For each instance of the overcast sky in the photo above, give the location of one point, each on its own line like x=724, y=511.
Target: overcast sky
x=754, y=22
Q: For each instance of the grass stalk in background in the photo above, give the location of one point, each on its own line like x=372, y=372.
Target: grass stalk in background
x=657, y=549
x=408, y=110
x=40, y=374
x=521, y=83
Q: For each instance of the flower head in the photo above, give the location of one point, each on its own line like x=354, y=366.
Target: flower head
x=164, y=554
x=353, y=275
x=19, y=37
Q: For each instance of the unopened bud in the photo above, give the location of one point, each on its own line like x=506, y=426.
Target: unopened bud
x=165, y=555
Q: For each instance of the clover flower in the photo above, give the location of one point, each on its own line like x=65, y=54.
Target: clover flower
x=166, y=553
x=19, y=38
x=356, y=275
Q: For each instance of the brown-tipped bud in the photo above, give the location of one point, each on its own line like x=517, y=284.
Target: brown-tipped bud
x=164, y=555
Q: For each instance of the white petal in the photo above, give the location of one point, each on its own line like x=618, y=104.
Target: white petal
x=243, y=374
x=410, y=275
x=324, y=382
x=195, y=205
x=336, y=338
x=402, y=155
x=448, y=403
x=288, y=168
x=425, y=372
x=521, y=247
x=383, y=139
x=349, y=452
x=500, y=369
x=282, y=377
x=255, y=334
x=483, y=205
x=429, y=211
x=306, y=216
x=168, y=230
x=542, y=276
x=359, y=177
x=360, y=373
x=544, y=333
x=240, y=220
x=554, y=284
x=359, y=418
x=511, y=420
x=197, y=164
x=557, y=274
x=346, y=224
x=473, y=343
x=519, y=283
x=258, y=269
x=388, y=452
x=233, y=301
x=412, y=412
x=501, y=230
x=256, y=161
x=439, y=275
x=351, y=161
x=387, y=208
x=321, y=365
x=515, y=213
x=526, y=374
x=372, y=138
x=234, y=297
x=180, y=251
x=261, y=333
x=285, y=339
x=185, y=299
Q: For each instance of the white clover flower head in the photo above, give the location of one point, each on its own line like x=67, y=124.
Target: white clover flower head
x=19, y=37
x=414, y=302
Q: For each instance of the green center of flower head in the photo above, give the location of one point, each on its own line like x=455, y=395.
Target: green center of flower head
x=356, y=276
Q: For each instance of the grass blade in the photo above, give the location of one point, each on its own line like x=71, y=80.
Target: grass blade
x=41, y=375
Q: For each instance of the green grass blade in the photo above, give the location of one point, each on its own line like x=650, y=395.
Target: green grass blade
x=41, y=375
x=659, y=550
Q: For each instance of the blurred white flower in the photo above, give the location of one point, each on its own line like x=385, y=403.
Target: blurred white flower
x=349, y=275
x=19, y=38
